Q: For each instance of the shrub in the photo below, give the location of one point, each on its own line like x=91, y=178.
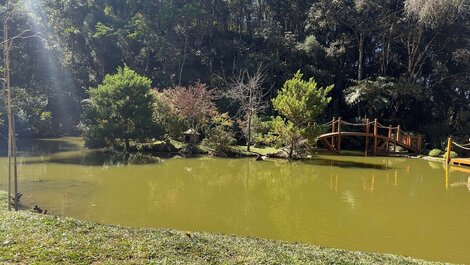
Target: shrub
x=120, y=109
x=435, y=153
x=452, y=155
x=220, y=137
x=218, y=141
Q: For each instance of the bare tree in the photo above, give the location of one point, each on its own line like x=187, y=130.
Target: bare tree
x=432, y=13
x=246, y=89
x=11, y=11
x=423, y=15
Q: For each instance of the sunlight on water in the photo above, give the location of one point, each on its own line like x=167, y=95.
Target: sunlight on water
x=393, y=205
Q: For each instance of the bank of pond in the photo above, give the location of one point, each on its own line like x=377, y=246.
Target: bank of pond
x=403, y=206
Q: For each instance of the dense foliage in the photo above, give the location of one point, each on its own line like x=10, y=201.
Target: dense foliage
x=435, y=153
x=300, y=102
x=120, y=109
x=406, y=61
x=194, y=104
x=219, y=136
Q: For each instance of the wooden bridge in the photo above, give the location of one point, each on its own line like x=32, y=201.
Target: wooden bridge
x=378, y=139
x=457, y=161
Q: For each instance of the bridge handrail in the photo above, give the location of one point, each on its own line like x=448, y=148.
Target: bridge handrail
x=356, y=124
x=386, y=127
x=450, y=142
x=371, y=127
x=463, y=146
x=327, y=124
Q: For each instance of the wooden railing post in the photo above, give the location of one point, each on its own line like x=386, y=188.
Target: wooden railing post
x=420, y=143
x=333, y=129
x=449, y=149
x=375, y=136
x=339, y=135
x=398, y=133
x=367, y=136
x=389, y=137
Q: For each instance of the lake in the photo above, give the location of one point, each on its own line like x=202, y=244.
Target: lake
x=402, y=206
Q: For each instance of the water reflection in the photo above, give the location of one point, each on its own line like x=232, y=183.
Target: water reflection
x=462, y=182
x=38, y=147
x=100, y=158
x=374, y=204
x=322, y=161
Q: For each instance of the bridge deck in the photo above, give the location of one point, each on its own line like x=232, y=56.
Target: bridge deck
x=370, y=135
x=461, y=161
x=381, y=142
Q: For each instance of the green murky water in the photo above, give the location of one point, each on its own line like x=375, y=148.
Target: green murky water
x=391, y=205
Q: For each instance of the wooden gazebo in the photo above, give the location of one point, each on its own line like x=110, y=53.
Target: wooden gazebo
x=191, y=136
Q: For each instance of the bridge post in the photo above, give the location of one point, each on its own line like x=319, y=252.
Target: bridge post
x=389, y=137
x=449, y=149
x=367, y=137
x=339, y=135
x=375, y=135
x=398, y=133
x=420, y=143
x=333, y=130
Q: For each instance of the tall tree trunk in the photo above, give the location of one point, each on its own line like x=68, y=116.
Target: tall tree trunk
x=15, y=164
x=385, y=60
x=415, y=56
x=6, y=73
x=416, y=52
x=412, y=47
x=387, y=51
x=11, y=127
x=248, y=143
x=361, y=57
x=128, y=144
x=147, y=64
x=250, y=115
x=184, y=56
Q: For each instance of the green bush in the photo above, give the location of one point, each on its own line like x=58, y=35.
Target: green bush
x=435, y=153
x=220, y=137
x=452, y=155
x=119, y=110
x=219, y=141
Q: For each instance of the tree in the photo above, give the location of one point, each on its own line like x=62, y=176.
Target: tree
x=300, y=102
x=194, y=103
x=219, y=135
x=387, y=99
x=120, y=109
x=165, y=115
x=423, y=42
x=287, y=134
x=31, y=117
x=425, y=19
x=247, y=90
x=357, y=18
x=10, y=12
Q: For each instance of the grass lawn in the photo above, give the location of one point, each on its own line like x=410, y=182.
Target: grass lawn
x=31, y=238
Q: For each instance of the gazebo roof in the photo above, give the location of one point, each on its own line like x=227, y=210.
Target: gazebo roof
x=191, y=132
